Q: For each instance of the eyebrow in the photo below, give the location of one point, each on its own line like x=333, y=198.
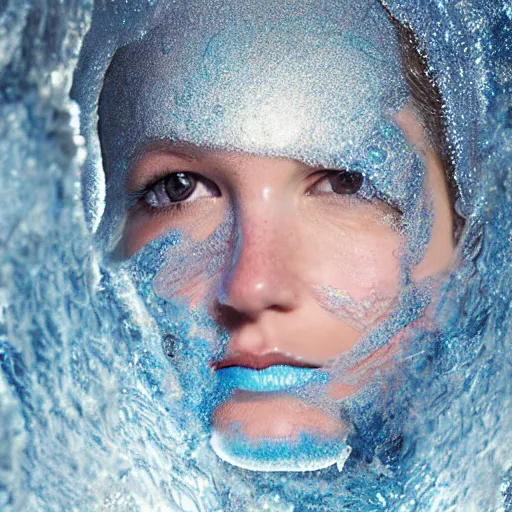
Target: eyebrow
x=180, y=149
x=160, y=147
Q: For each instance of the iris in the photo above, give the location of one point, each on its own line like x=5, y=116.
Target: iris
x=345, y=182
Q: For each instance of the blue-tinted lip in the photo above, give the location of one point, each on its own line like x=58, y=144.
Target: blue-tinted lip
x=273, y=378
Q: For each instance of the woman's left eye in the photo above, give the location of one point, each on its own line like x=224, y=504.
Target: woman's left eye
x=340, y=182
x=179, y=187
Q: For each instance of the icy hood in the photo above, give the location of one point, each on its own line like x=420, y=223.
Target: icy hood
x=91, y=413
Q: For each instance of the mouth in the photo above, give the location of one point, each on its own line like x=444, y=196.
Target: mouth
x=260, y=362
x=271, y=379
x=267, y=373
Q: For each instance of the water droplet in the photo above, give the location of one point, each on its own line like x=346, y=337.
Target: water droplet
x=166, y=47
x=377, y=156
x=183, y=98
x=218, y=110
x=169, y=345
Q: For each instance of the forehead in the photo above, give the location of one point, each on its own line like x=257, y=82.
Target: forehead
x=304, y=87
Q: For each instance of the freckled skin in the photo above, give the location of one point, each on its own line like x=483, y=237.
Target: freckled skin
x=286, y=244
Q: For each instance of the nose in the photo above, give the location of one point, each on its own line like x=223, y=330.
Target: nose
x=261, y=273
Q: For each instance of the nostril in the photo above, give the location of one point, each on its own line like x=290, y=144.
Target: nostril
x=230, y=318
x=285, y=308
x=245, y=301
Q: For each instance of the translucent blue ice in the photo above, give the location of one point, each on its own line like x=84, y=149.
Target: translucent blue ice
x=92, y=413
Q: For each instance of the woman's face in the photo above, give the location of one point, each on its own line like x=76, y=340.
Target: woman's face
x=290, y=261
x=312, y=262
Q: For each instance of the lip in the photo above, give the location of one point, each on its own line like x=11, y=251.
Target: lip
x=260, y=362
x=270, y=379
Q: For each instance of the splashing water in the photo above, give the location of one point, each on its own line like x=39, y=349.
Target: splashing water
x=92, y=412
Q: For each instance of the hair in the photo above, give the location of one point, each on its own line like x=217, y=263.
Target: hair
x=428, y=104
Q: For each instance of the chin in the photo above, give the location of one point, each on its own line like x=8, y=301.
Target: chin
x=307, y=452
x=277, y=432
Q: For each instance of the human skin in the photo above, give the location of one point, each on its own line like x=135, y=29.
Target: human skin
x=295, y=235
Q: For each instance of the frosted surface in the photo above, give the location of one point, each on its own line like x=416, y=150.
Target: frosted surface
x=91, y=413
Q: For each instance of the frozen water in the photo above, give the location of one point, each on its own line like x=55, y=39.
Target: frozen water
x=90, y=407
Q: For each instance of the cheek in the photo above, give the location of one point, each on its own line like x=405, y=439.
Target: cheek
x=138, y=232
x=142, y=227
x=361, y=258
x=193, y=268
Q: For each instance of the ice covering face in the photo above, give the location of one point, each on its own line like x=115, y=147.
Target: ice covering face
x=89, y=419
x=320, y=86
x=317, y=85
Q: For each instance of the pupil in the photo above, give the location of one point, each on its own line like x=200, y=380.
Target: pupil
x=345, y=182
x=179, y=186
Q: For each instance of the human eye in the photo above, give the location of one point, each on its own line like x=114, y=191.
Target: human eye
x=352, y=185
x=339, y=181
x=176, y=188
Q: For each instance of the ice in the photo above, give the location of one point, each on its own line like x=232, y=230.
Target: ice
x=91, y=418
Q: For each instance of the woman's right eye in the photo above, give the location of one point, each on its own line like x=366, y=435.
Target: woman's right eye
x=179, y=187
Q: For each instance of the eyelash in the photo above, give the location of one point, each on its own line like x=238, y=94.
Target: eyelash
x=138, y=196
x=367, y=192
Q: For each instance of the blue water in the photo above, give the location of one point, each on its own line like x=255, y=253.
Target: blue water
x=90, y=409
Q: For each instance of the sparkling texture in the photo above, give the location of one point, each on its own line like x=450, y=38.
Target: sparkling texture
x=93, y=413
x=272, y=82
